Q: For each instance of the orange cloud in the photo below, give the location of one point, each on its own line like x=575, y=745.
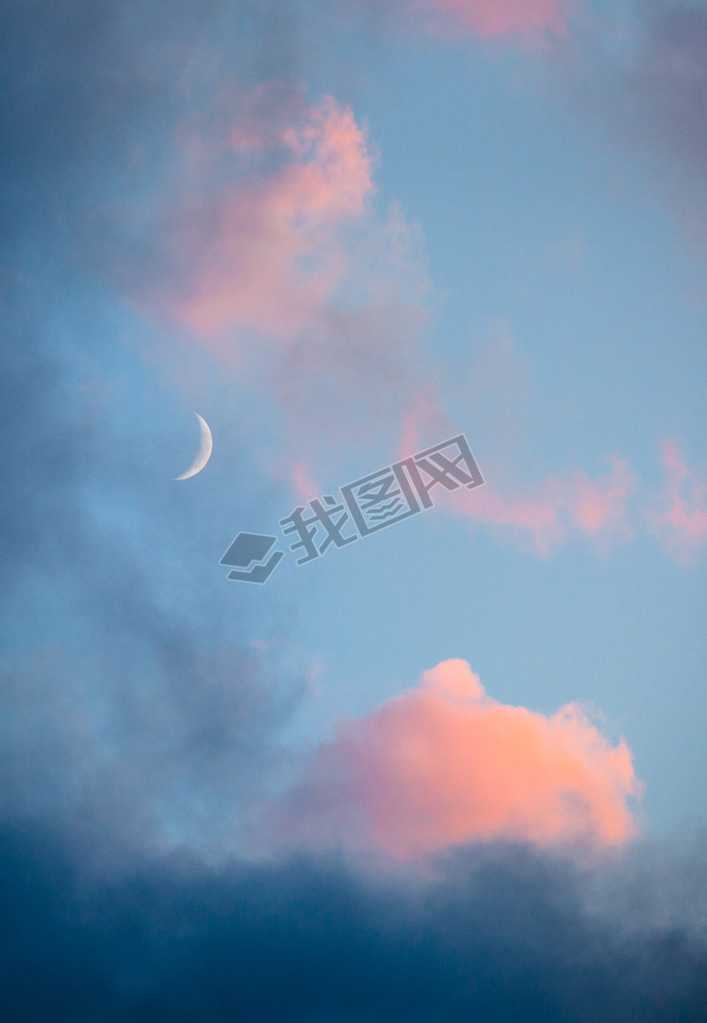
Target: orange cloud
x=679, y=515
x=492, y=18
x=445, y=764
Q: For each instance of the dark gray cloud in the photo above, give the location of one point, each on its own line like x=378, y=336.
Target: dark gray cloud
x=83, y=85
x=499, y=935
x=39, y=443
x=666, y=82
x=134, y=707
x=642, y=68
x=664, y=98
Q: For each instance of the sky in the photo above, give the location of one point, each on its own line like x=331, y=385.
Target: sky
x=452, y=768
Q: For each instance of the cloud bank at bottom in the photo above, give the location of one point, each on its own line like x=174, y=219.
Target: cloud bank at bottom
x=501, y=933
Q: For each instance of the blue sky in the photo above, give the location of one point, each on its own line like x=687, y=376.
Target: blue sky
x=535, y=224
x=343, y=233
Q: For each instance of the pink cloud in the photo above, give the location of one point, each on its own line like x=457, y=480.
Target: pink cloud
x=269, y=248
x=679, y=515
x=302, y=481
x=493, y=18
x=548, y=513
x=445, y=764
x=555, y=510
x=423, y=419
x=264, y=244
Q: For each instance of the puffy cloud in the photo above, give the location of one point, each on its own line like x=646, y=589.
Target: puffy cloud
x=679, y=515
x=444, y=764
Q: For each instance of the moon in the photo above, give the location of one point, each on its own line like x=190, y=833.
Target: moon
x=204, y=451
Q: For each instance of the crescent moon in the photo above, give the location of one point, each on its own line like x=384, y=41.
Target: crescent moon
x=204, y=451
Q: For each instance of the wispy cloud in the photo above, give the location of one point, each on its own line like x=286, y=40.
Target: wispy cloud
x=544, y=516
x=551, y=513
x=263, y=244
x=679, y=515
x=493, y=18
x=266, y=231
x=271, y=247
